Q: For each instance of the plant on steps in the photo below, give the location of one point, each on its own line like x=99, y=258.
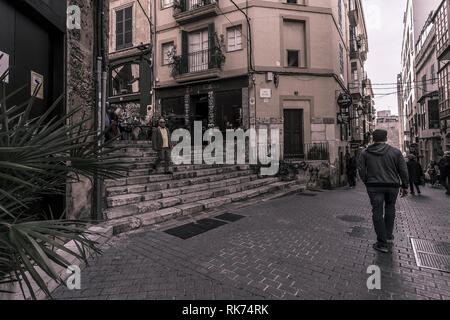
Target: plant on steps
x=38, y=156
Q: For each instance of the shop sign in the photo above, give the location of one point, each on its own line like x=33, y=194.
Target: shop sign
x=265, y=93
x=37, y=80
x=4, y=65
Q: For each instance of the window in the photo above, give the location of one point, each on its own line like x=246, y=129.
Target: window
x=433, y=74
x=340, y=13
x=125, y=79
x=166, y=3
x=291, y=1
x=198, y=49
x=355, y=71
x=341, y=59
x=234, y=38
x=294, y=43
x=124, y=28
x=292, y=58
x=424, y=84
x=166, y=50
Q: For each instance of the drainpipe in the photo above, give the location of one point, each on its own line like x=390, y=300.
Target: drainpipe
x=100, y=102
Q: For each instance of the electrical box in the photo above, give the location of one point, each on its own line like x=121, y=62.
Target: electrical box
x=269, y=76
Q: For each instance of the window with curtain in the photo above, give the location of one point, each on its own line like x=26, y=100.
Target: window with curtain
x=234, y=38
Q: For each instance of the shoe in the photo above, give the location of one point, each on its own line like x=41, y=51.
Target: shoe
x=381, y=248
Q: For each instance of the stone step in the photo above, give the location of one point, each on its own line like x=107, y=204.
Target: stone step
x=125, y=224
x=154, y=205
x=168, y=184
x=148, y=178
x=175, y=168
x=141, y=195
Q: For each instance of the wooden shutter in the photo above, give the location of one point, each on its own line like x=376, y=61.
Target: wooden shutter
x=128, y=27
x=211, y=45
x=184, y=52
x=119, y=29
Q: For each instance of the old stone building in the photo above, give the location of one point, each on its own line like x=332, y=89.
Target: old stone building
x=426, y=128
x=276, y=65
x=391, y=124
x=441, y=20
x=39, y=46
x=130, y=64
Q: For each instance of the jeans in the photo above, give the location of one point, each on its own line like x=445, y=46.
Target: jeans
x=163, y=155
x=383, y=211
x=411, y=186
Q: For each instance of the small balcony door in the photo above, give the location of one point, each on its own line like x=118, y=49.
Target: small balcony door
x=198, y=50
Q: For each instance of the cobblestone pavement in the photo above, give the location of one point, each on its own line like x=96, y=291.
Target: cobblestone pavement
x=296, y=247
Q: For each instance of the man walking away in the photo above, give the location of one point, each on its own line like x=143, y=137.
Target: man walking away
x=381, y=167
x=444, y=168
x=415, y=173
x=352, y=168
x=161, y=144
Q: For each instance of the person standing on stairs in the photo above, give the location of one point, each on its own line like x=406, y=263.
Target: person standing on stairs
x=161, y=144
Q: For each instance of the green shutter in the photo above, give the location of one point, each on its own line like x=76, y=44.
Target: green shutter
x=184, y=52
x=211, y=45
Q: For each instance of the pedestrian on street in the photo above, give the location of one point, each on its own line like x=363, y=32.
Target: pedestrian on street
x=432, y=172
x=415, y=173
x=161, y=144
x=444, y=168
x=382, y=168
x=352, y=168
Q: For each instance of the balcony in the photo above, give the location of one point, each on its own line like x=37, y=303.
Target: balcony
x=186, y=11
x=198, y=65
x=353, y=16
x=356, y=90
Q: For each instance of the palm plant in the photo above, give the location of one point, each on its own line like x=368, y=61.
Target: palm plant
x=38, y=156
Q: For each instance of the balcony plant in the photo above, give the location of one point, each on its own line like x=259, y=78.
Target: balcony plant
x=178, y=6
x=38, y=156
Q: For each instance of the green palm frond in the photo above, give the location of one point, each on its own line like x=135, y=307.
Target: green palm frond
x=38, y=156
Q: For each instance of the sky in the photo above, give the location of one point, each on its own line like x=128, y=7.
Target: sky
x=384, y=20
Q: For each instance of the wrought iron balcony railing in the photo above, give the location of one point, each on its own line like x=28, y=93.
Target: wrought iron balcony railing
x=189, y=5
x=198, y=61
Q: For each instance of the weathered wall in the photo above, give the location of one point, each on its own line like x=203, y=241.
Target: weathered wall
x=81, y=84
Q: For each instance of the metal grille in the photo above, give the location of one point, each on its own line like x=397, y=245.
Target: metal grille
x=432, y=254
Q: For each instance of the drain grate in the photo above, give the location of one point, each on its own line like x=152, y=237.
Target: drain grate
x=432, y=254
x=190, y=230
x=351, y=218
x=231, y=217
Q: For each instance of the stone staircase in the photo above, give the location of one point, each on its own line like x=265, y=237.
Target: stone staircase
x=144, y=197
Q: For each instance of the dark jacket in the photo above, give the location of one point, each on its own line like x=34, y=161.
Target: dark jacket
x=444, y=166
x=157, y=141
x=381, y=165
x=352, y=166
x=415, y=171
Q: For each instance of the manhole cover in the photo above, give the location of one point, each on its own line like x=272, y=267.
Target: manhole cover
x=229, y=217
x=351, y=218
x=190, y=230
x=432, y=254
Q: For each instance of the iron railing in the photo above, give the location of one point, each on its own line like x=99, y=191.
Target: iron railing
x=317, y=151
x=189, y=5
x=199, y=61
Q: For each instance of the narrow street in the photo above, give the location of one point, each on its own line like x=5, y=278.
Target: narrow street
x=312, y=246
